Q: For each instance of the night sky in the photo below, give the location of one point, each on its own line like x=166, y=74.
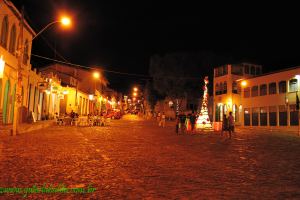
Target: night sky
x=122, y=35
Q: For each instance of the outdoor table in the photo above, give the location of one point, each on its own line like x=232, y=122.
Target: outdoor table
x=67, y=120
x=82, y=120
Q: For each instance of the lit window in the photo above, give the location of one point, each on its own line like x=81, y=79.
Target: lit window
x=293, y=85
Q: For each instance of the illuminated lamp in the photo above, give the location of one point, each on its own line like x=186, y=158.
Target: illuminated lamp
x=91, y=97
x=2, y=64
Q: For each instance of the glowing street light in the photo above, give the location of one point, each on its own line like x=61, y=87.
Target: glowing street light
x=2, y=64
x=244, y=83
x=135, y=94
x=66, y=21
x=96, y=75
x=135, y=89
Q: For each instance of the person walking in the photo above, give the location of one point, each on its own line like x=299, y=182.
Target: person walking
x=177, y=124
x=182, y=122
x=163, y=120
x=158, y=118
x=231, y=124
x=188, y=123
x=224, y=124
x=193, y=121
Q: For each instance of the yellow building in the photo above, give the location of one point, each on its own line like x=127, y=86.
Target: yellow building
x=11, y=43
x=256, y=99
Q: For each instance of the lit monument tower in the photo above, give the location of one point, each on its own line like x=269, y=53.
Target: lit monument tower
x=203, y=121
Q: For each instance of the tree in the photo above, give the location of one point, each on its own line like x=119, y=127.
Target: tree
x=151, y=95
x=178, y=75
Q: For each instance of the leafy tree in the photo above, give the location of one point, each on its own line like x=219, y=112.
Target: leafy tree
x=178, y=75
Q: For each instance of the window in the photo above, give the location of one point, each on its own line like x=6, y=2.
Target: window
x=255, y=112
x=247, y=69
x=258, y=71
x=234, y=87
x=294, y=120
x=12, y=42
x=282, y=115
x=252, y=72
x=272, y=116
x=4, y=32
x=263, y=90
x=225, y=69
x=247, y=117
x=221, y=88
x=254, y=91
x=225, y=88
x=26, y=51
x=272, y=88
x=217, y=89
x=293, y=85
x=219, y=71
x=263, y=116
x=247, y=92
x=237, y=70
x=282, y=87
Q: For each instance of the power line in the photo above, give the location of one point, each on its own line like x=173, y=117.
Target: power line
x=86, y=67
x=115, y=72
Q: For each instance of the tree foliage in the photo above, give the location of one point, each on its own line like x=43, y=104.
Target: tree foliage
x=177, y=75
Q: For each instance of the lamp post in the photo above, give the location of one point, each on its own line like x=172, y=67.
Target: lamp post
x=96, y=76
x=66, y=22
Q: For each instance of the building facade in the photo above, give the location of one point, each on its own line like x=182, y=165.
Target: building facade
x=255, y=99
x=12, y=42
x=84, y=94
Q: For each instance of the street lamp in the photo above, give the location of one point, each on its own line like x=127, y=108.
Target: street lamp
x=244, y=83
x=135, y=89
x=64, y=21
x=96, y=76
x=2, y=64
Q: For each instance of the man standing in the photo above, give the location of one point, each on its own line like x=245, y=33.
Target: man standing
x=231, y=124
x=193, y=121
x=163, y=119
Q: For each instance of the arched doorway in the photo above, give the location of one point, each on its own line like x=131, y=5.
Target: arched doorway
x=13, y=98
x=5, y=102
x=235, y=112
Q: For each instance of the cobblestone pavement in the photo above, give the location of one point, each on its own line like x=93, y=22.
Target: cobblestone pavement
x=136, y=159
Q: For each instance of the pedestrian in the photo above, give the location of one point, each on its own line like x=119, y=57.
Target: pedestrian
x=231, y=124
x=182, y=122
x=193, y=121
x=224, y=124
x=163, y=120
x=188, y=123
x=158, y=118
x=177, y=123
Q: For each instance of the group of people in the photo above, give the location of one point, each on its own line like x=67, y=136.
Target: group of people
x=185, y=123
x=228, y=124
x=161, y=119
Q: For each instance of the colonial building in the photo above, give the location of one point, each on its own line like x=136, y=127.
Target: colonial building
x=12, y=43
x=84, y=93
x=256, y=99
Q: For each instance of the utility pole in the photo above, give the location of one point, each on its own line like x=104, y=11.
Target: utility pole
x=18, y=98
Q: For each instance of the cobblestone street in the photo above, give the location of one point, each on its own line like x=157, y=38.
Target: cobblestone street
x=135, y=159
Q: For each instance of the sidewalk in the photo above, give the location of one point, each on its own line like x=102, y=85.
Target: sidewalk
x=25, y=127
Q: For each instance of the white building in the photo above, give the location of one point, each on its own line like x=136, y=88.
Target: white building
x=256, y=99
